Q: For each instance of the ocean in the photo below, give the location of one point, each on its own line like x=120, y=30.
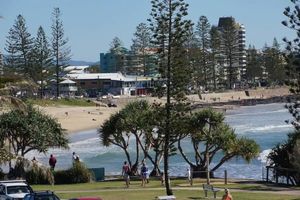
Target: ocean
x=263, y=123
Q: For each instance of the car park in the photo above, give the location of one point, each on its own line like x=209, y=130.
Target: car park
x=41, y=195
x=14, y=189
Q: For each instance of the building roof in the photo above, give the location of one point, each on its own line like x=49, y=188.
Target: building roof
x=107, y=76
x=76, y=69
x=67, y=81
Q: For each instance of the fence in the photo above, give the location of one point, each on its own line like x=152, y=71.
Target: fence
x=99, y=173
x=281, y=175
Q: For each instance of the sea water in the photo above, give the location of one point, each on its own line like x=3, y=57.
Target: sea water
x=263, y=123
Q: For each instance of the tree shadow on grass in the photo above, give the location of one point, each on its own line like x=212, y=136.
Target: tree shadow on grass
x=197, y=198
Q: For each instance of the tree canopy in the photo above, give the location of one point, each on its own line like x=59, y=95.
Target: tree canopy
x=30, y=129
x=285, y=155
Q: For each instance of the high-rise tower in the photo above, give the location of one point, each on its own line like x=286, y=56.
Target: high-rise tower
x=233, y=49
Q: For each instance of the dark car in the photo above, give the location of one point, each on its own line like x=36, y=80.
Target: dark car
x=43, y=195
x=86, y=198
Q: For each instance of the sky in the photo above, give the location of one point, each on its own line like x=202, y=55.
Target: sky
x=91, y=25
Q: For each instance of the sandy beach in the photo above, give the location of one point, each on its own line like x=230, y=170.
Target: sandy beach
x=75, y=119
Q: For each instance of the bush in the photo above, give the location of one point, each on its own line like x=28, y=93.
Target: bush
x=39, y=175
x=78, y=173
x=2, y=174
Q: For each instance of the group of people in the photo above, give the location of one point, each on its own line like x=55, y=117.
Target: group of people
x=52, y=160
x=126, y=170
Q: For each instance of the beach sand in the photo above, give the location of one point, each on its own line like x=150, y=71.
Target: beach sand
x=75, y=119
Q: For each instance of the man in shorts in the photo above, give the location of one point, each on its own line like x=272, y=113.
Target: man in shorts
x=125, y=173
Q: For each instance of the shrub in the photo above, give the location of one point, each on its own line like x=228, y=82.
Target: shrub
x=39, y=175
x=2, y=174
x=78, y=173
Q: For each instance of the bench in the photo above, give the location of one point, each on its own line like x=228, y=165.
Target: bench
x=172, y=197
x=211, y=188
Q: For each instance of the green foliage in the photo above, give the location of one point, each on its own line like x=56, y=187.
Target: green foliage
x=170, y=32
x=130, y=122
x=254, y=65
x=61, y=102
x=116, y=46
x=203, y=71
x=8, y=80
x=5, y=155
x=208, y=129
x=293, y=46
x=39, y=175
x=2, y=174
x=284, y=155
x=30, y=129
x=78, y=173
x=230, y=49
x=215, y=46
x=42, y=58
x=141, y=45
x=60, y=50
x=273, y=61
x=19, y=46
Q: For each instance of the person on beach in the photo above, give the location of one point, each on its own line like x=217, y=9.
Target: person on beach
x=144, y=174
x=75, y=157
x=52, y=162
x=162, y=178
x=189, y=176
x=227, y=195
x=125, y=173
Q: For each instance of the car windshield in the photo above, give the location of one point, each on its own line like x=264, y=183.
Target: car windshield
x=46, y=197
x=17, y=189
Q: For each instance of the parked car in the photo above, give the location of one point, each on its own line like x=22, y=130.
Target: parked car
x=86, y=198
x=111, y=103
x=41, y=195
x=14, y=189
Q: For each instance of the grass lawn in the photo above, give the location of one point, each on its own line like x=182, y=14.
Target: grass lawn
x=115, y=190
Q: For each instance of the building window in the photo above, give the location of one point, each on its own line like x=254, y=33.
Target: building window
x=82, y=83
x=106, y=83
x=94, y=82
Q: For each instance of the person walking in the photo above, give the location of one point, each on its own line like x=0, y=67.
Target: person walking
x=189, y=176
x=52, y=162
x=147, y=174
x=125, y=173
x=227, y=195
x=144, y=174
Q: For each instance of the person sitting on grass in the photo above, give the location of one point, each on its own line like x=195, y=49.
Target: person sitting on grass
x=227, y=195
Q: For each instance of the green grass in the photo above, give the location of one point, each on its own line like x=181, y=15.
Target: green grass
x=115, y=190
x=61, y=102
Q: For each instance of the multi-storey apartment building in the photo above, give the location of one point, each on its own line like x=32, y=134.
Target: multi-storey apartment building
x=233, y=43
x=129, y=63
